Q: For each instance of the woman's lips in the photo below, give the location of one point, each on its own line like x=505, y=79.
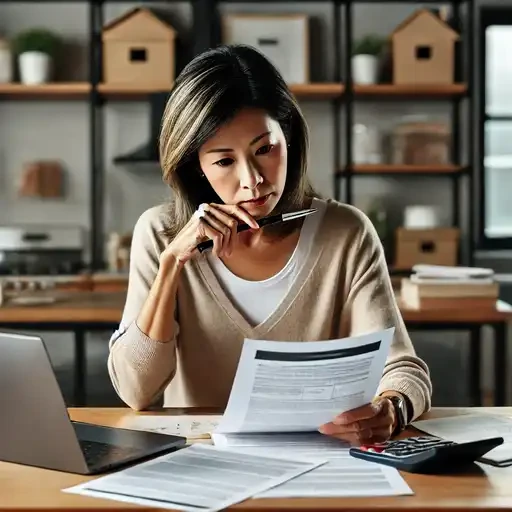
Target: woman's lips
x=260, y=201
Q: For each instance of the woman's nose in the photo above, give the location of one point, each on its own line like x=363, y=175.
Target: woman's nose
x=250, y=177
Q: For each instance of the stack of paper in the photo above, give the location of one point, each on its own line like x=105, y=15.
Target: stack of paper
x=446, y=274
x=198, y=478
x=342, y=476
x=473, y=427
x=441, y=287
x=283, y=392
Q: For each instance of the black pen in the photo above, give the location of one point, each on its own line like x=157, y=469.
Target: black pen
x=266, y=221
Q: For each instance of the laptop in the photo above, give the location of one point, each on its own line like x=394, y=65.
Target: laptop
x=35, y=428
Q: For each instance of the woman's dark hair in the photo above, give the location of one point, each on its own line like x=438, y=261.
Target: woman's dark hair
x=210, y=91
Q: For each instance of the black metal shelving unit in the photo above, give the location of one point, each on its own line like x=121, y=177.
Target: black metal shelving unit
x=463, y=74
x=206, y=31
x=96, y=136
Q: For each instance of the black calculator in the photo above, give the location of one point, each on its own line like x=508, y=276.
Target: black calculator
x=426, y=454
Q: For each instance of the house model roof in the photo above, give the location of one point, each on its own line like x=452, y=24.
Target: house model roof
x=425, y=12
x=151, y=15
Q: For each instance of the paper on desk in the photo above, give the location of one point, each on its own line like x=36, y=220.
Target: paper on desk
x=298, y=386
x=197, y=478
x=191, y=427
x=342, y=476
x=472, y=427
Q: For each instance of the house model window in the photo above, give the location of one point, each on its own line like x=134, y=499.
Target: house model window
x=138, y=54
x=423, y=52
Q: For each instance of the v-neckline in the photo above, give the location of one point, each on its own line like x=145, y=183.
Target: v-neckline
x=259, y=330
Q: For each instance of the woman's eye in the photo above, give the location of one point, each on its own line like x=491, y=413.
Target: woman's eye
x=224, y=162
x=267, y=148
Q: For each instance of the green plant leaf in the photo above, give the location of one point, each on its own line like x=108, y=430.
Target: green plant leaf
x=369, y=45
x=36, y=40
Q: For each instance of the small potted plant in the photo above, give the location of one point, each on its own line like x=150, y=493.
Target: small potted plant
x=365, y=59
x=36, y=49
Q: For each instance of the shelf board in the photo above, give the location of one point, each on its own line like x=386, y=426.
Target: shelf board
x=424, y=91
x=312, y=91
x=317, y=90
x=56, y=90
x=421, y=170
x=305, y=91
x=127, y=91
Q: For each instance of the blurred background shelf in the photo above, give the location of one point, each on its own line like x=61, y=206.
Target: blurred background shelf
x=80, y=90
x=127, y=92
x=318, y=90
x=56, y=91
x=413, y=91
x=388, y=169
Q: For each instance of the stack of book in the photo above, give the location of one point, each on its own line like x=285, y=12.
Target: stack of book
x=436, y=287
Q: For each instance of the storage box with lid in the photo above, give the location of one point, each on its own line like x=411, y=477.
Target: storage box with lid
x=282, y=38
x=420, y=141
x=435, y=246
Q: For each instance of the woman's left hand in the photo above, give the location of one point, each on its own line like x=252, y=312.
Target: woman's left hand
x=369, y=424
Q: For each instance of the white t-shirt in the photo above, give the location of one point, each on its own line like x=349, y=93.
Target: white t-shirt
x=256, y=300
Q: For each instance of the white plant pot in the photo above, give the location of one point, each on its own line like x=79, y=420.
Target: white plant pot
x=364, y=69
x=5, y=66
x=34, y=68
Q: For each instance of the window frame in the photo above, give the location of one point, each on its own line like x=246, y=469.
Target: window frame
x=489, y=16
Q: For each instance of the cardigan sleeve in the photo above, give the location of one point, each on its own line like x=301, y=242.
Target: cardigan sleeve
x=371, y=305
x=140, y=367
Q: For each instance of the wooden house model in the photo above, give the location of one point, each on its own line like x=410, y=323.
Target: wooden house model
x=139, y=50
x=423, y=50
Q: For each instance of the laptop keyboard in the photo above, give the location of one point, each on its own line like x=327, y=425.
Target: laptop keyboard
x=97, y=453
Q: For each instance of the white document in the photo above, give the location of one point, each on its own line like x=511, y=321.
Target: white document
x=452, y=272
x=191, y=427
x=472, y=427
x=198, y=478
x=342, y=476
x=298, y=386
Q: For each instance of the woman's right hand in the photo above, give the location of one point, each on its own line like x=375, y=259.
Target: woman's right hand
x=219, y=224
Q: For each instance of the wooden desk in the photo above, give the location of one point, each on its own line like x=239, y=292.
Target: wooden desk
x=106, y=308
x=86, y=311
x=23, y=487
x=472, y=321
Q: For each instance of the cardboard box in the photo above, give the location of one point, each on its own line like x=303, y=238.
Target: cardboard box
x=436, y=246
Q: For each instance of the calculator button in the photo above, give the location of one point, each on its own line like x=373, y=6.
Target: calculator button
x=411, y=446
x=396, y=453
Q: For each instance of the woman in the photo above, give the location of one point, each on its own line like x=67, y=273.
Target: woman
x=234, y=148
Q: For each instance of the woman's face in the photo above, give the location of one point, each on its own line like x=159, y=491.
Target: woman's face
x=246, y=161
